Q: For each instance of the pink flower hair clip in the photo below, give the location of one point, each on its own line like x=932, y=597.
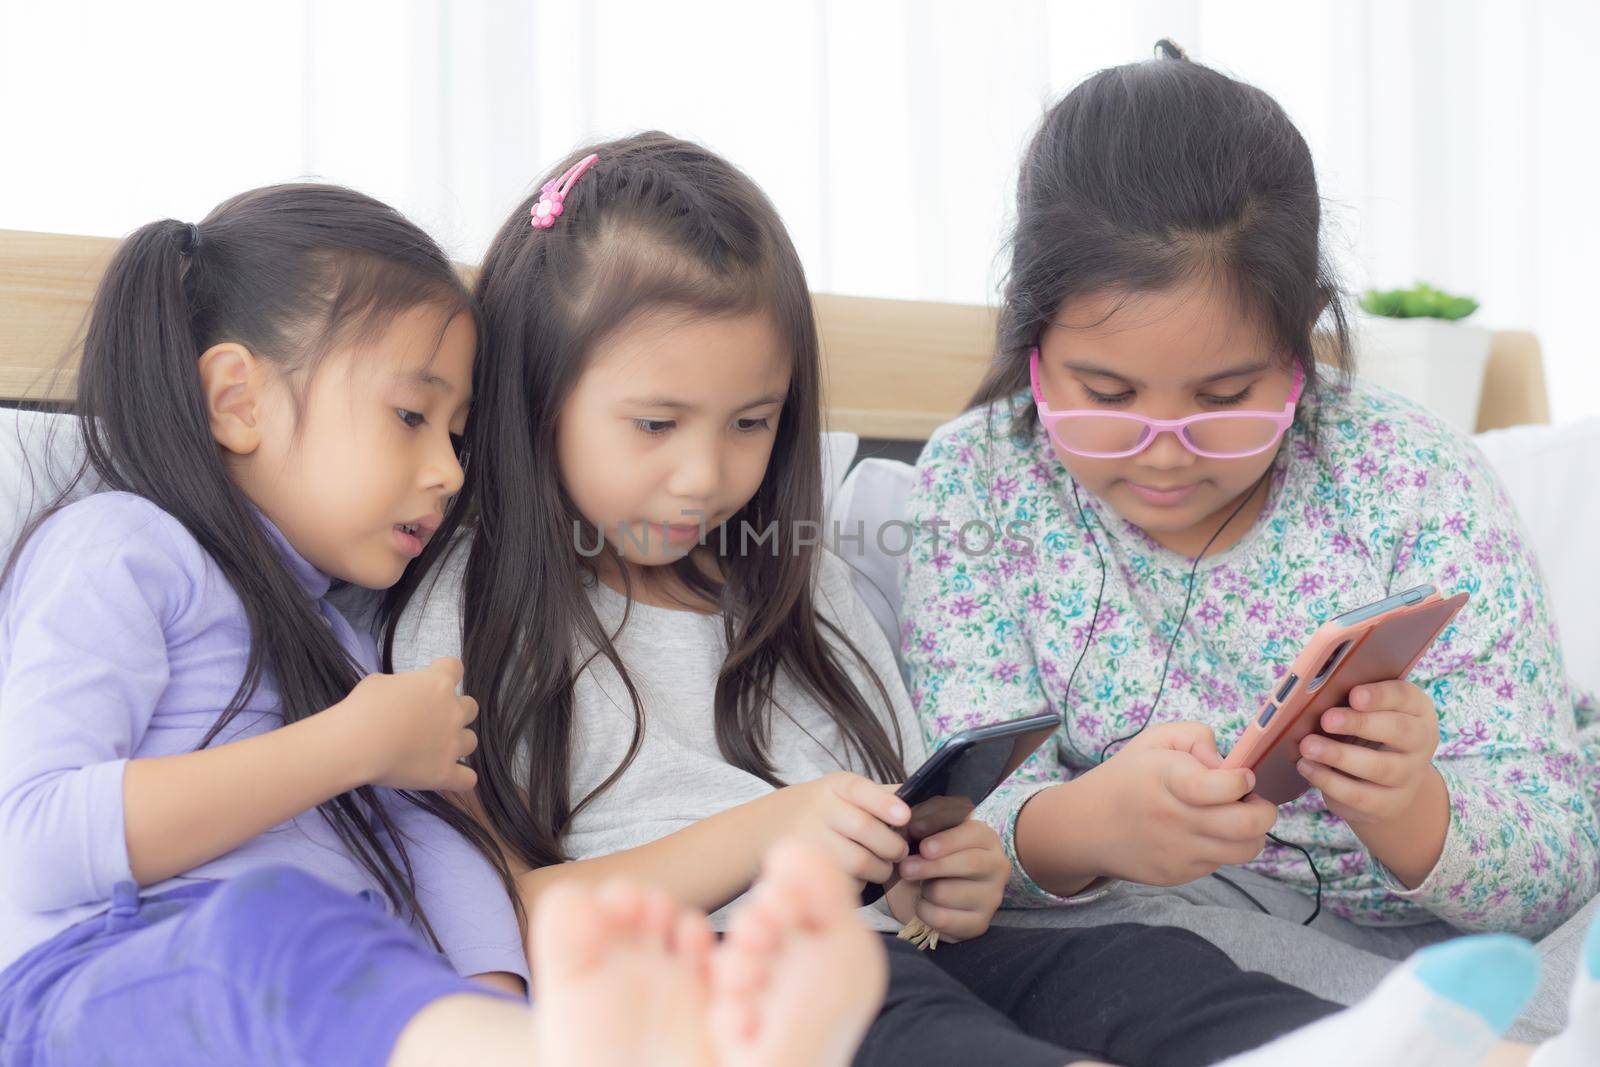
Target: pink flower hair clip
x=549, y=208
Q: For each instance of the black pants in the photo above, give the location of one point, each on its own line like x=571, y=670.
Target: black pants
x=1138, y=996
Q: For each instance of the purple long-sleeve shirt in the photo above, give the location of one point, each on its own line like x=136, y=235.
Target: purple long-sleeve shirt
x=120, y=639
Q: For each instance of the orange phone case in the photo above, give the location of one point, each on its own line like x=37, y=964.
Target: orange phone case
x=1375, y=647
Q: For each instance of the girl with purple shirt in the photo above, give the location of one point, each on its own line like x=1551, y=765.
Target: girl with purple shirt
x=274, y=401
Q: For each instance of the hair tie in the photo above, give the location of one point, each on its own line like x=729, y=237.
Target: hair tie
x=189, y=243
x=1167, y=48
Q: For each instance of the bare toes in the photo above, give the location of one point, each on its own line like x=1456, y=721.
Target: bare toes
x=737, y=980
x=570, y=933
x=658, y=917
x=624, y=903
x=693, y=941
x=740, y=970
x=817, y=891
x=758, y=926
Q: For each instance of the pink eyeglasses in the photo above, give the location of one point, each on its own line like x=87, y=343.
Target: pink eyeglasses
x=1116, y=435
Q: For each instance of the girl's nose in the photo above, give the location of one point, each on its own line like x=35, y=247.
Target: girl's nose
x=696, y=473
x=443, y=471
x=1166, y=452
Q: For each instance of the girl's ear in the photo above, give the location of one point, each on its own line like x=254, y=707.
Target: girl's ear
x=231, y=379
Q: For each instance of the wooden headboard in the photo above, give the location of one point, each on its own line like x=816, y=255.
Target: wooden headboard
x=895, y=369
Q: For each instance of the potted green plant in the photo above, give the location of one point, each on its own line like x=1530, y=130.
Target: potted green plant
x=1414, y=342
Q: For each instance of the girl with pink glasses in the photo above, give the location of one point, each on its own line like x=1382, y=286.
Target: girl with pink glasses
x=1158, y=495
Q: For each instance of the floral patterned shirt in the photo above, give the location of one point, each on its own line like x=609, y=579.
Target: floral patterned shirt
x=1369, y=495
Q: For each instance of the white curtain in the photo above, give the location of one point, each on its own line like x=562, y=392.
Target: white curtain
x=1456, y=141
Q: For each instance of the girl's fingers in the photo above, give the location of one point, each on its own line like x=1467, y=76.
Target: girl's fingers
x=1341, y=789
x=868, y=866
x=951, y=923
x=450, y=667
x=969, y=863
x=469, y=743
x=1222, y=852
x=1390, y=696
x=1200, y=787
x=876, y=800
x=1393, y=728
x=1244, y=821
x=1366, y=764
x=957, y=838
x=1191, y=737
x=865, y=830
x=859, y=863
x=960, y=894
x=875, y=870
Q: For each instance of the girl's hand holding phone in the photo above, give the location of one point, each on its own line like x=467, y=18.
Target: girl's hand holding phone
x=954, y=883
x=413, y=728
x=1166, y=811
x=1381, y=780
x=854, y=820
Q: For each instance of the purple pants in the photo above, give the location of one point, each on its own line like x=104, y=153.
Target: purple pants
x=272, y=967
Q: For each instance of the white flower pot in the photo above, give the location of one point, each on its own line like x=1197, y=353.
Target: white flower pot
x=1436, y=363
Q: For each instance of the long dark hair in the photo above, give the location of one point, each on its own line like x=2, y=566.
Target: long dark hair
x=1147, y=174
x=658, y=222
x=290, y=272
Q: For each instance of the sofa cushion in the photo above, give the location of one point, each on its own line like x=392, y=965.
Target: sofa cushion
x=39, y=453
x=1550, y=474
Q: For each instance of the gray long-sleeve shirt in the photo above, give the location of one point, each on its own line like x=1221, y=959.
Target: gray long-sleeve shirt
x=679, y=777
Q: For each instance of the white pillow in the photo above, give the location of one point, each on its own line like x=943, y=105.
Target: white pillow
x=39, y=452
x=1550, y=473
x=867, y=530
x=838, y=449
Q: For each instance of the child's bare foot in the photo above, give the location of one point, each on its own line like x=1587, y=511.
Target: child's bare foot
x=798, y=978
x=621, y=977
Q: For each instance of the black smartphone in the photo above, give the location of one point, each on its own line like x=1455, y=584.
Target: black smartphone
x=961, y=773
